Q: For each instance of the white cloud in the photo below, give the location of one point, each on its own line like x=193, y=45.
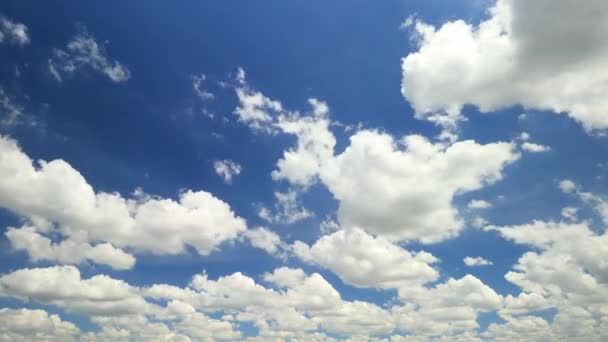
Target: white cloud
x=265, y=239
x=288, y=209
x=566, y=271
x=479, y=204
x=567, y=186
x=227, y=169
x=476, y=261
x=69, y=251
x=83, y=52
x=197, y=86
x=535, y=148
x=364, y=261
x=38, y=325
x=62, y=286
x=57, y=200
x=409, y=186
x=16, y=32
x=543, y=55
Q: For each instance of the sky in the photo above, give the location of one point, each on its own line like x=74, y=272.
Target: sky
x=387, y=171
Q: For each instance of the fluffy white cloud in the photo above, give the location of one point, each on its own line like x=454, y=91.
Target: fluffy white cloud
x=69, y=251
x=56, y=199
x=476, y=261
x=544, y=55
x=364, y=261
x=535, y=148
x=265, y=239
x=227, y=169
x=15, y=32
x=409, y=185
x=566, y=271
x=83, y=52
x=34, y=325
x=62, y=286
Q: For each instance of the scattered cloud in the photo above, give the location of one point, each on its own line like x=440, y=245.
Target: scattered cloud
x=227, y=169
x=479, y=204
x=13, y=32
x=476, y=261
x=83, y=52
x=534, y=148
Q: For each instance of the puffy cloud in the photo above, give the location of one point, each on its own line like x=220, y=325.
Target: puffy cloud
x=543, y=55
x=83, y=52
x=15, y=32
x=69, y=251
x=38, y=325
x=599, y=203
x=315, y=145
x=570, y=213
x=476, y=261
x=449, y=308
x=409, y=186
x=265, y=239
x=479, y=204
x=365, y=261
x=57, y=199
x=566, y=271
x=227, y=169
x=535, y=148
x=62, y=286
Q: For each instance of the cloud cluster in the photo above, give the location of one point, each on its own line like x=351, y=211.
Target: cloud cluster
x=401, y=189
x=56, y=199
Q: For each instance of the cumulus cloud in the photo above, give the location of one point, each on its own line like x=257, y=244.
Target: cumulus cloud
x=476, y=261
x=83, y=52
x=56, y=199
x=69, y=251
x=13, y=32
x=565, y=271
x=409, y=183
x=264, y=239
x=364, y=261
x=543, y=55
x=34, y=325
x=227, y=169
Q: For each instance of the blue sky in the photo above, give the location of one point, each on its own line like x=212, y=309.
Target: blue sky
x=303, y=171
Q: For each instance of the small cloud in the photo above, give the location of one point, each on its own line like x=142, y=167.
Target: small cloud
x=84, y=52
x=570, y=213
x=227, y=169
x=476, y=261
x=288, y=209
x=567, y=186
x=197, y=85
x=15, y=32
x=535, y=148
x=479, y=204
